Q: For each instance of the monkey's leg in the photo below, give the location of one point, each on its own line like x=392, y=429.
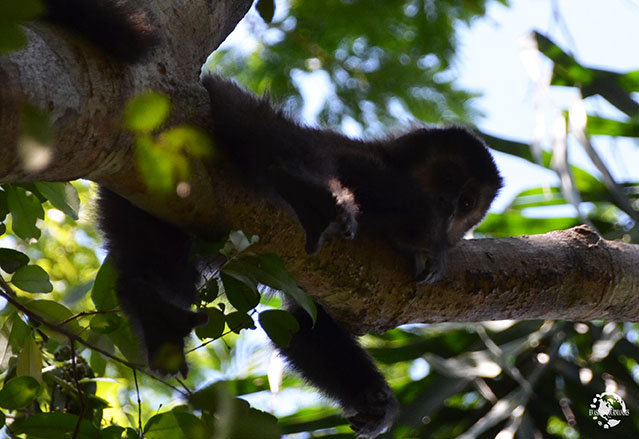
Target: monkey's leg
x=313, y=204
x=333, y=361
x=156, y=280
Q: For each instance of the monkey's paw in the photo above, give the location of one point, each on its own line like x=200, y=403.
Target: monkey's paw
x=429, y=269
x=373, y=413
x=347, y=220
x=347, y=209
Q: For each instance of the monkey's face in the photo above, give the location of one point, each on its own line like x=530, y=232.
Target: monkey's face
x=457, y=180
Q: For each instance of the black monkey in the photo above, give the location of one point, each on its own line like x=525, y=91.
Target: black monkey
x=421, y=192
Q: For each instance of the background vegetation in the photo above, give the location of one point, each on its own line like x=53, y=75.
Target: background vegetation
x=386, y=61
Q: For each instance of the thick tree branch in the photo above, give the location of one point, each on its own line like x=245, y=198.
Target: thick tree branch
x=565, y=275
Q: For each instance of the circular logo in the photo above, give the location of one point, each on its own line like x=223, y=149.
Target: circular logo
x=607, y=409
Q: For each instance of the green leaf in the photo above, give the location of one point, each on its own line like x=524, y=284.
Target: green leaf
x=55, y=312
x=30, y=360
x=157, y=165
x=608, y=127
x=266, y=8
x=146, y=112
x=3, y=419
x=54, y=425
x=211, y=397
x=255, y=424
x=514, y=224
x=127, y=342
x=19, y=392
x=4, y=205
x=279, y=325
x=132, y=433
x=36, y=125
x=103, y=292
x=62, y=196
x=16, y=330
x=210, y=292
x=237, y=321
x=241, y=291
x=112, y=432
x=21, y=10
x=11, y=260
x=98, y=363
x=269, y=270
x=3, y=229
x=11, y=37
x=25, y=211
x=175, y=425
x=187, y=139
x=215, y=326
x=105, y=323
x=32, y=279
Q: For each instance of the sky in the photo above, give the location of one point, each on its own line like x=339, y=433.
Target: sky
x=602, y=34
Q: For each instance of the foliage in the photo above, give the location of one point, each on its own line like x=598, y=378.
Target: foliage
x=163, y=159
x=12, y=13
x=379, y=56
x=56, y=353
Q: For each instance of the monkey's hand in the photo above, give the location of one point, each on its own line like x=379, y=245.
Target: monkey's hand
x=430, y=267
x=321, y=208
x=374, y=412
x=347, y=209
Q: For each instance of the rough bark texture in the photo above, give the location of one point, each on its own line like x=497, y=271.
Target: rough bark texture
x=569, y=274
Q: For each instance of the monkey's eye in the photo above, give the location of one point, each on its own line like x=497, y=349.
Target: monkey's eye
x=466, y=203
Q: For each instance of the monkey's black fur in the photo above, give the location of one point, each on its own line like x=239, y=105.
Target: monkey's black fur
x=156, y=278
x=118, y=26
x=420, y=191
x=332, y=360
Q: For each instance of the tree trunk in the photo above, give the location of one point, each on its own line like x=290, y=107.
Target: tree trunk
x=571, y=274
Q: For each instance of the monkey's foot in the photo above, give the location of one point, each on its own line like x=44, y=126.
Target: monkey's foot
x=374, y=413
x=429, y=269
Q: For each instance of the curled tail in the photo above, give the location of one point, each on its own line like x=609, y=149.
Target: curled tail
x=119, y=27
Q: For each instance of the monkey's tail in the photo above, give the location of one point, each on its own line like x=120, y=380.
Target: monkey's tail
x=119, y=27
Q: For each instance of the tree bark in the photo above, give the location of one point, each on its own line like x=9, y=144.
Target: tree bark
x=571, y=274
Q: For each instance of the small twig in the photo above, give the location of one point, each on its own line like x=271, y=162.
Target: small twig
x=137, y=392
x=7, y=292
x=84, y=314
x=201, y=345
x=10, y=297
x=186, y=388
x=81, y=397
